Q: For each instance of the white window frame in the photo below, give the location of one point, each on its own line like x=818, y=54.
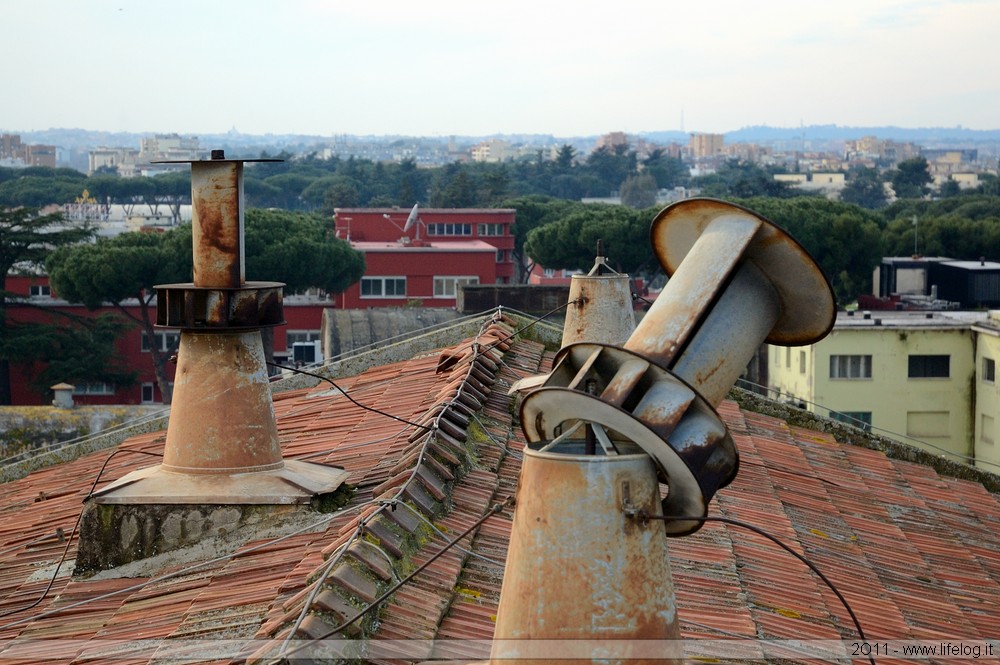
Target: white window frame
x=40, y=291
x=446, y=286
x=382, y=281
x=166, y=341
x=94, y=388
x=492, y=229
x=151, y=387
x=989, y=370
x=851, y=367
x=449, y=229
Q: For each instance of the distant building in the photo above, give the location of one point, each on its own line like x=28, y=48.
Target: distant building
x=940, y=280
x=492, y=151
x=612, y=141
x=303, y=314
x=872, y=150
x=542, y=276
x=121, y=160
x=129, y=162
x=471, y=227
x=912, y=375
x=705, y=145
x=829, y=184
x=15, y=153
x=171, y=146
x=420, y=273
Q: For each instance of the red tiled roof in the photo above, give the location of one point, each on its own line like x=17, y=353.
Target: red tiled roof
x=916, y=553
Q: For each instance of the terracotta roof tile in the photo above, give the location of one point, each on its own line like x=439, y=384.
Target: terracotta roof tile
x=915, y=553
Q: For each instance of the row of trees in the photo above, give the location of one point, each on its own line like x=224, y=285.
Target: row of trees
x=846, y=238
x=320, y=185
x=847, y=241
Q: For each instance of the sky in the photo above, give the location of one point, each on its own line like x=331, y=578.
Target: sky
x=468, y=67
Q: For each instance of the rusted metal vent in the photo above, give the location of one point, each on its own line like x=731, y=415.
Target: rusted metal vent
x=222, y=442
x=737, y=280
x=600, y=305
x=256, y=305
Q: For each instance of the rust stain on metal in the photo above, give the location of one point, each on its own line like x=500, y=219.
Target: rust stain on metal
x=736, y=280
x=620, y=589
x=216, y=229
x=218, y=420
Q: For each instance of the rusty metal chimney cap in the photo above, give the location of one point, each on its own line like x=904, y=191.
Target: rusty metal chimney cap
x=807, y=301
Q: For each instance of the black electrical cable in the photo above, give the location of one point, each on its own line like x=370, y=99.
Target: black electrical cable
x=643, y=515
x=528, y=325
x=76, y=526
x=352, y=400
x=494, y=509
x=479, y=351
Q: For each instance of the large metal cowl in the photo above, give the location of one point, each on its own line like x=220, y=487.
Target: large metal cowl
x=737, y=280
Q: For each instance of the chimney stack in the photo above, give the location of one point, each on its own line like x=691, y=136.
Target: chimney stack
x=736, y=281
x=222, y=442
x=601, y=306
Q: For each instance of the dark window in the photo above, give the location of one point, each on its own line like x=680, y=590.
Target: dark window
x=926, y=367
x=989, y=370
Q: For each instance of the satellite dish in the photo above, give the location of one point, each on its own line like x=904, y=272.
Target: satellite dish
x=411, y=219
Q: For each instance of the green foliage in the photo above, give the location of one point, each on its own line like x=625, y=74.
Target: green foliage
x=571, y=241
x=74, y=350
x=911, y=178
x=639, y=191
x=119, y=268
x=611, y=166
x=26, y=239
x=845, y=240
x=533, y=212
x=950, y=235
x=864, y=188
x=668, y=171
x=300, y=250
x=742, y=179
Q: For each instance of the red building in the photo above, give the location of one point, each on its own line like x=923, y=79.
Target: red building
x=420, y=273
x=540, y=276
x=303, y=314
x=443, y=228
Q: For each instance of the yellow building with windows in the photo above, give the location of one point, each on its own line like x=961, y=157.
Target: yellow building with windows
x=987, y=411
x=910, y=375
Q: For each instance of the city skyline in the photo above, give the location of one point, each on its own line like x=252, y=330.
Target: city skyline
x=450, y=68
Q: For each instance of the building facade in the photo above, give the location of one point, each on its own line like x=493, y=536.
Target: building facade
x=418, y=274
x=39, y=304
x=12, y=152
x=705, y=145
x=453, y=226
x=912, y=375
x=987, y=392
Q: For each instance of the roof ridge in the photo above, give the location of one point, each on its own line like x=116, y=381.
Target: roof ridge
x=390, y=535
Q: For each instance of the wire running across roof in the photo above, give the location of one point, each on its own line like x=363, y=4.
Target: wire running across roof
x=916, y=554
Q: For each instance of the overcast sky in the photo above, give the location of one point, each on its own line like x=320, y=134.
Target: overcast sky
x=429, y=67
